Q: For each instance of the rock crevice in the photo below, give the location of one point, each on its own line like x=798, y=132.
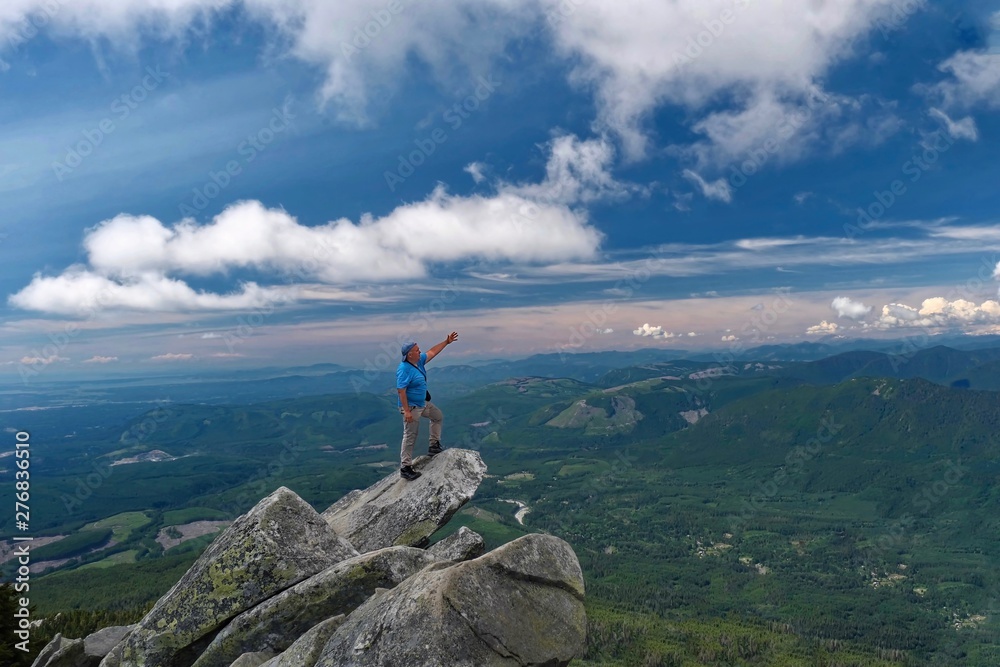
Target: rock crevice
x=285, y=586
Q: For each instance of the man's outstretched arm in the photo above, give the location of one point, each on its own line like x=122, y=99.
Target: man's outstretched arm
x=436, y=350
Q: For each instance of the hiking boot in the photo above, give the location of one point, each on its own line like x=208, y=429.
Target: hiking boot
x=435, y=448
x=408, y=473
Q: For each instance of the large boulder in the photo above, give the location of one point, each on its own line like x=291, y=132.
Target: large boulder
x=277, y=544
x=100, y=643
x=307, y=648
x=275, y=623
x=395, y=512
x=519, y=605
x=463, y=544
x=63, y=652
x=252, y=659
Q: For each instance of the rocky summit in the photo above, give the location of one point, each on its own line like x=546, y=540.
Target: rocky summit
x=286, y=586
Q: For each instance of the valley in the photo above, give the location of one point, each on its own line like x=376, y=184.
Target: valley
x=766, y=515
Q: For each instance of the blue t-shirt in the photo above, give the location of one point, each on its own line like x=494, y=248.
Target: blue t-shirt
x=413, y=381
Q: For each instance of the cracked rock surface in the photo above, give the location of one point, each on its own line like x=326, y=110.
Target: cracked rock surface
x=278, y=543
x=520, y=604
x=395, y=512
x=283, y=587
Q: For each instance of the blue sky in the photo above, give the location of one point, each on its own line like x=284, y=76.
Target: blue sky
x=198, y=183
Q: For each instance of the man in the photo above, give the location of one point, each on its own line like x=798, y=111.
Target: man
x=415, y=402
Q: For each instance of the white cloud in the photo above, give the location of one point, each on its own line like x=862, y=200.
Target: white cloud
x=45, y=361
x=647, y=330
x=846, y=307
x=823, y=327
x=100, y=360
x=729, y=339
x=642, y=53
x=962, y=129
x=635, y=55
x=656, y=332
x=211, y=334
x=79, y=291
x=171, y=356
x=577, y=171
x=682, y=202
x=939, y=312
x=790, y=253
x=718, y=189
x=475, y=169
x=770, y=243
x=133, y=260
x=975, y=78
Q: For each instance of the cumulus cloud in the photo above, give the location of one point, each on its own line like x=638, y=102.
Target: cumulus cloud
x=823, y=327
x=134, y=261
x=79, y=291
x=975, y=79
x=961, y=129
x=938, y=312
x=475, y=169
x=718, y=189
x=656, y=332
x=45, y=361
x=848, y=308
x=171, y=356
x=100, y=360
x=729, y=339
x=642, y=53
x=248, y=235
x=577, y=171
x=635, y=55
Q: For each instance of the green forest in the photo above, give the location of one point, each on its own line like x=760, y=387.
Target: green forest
x=746, y=518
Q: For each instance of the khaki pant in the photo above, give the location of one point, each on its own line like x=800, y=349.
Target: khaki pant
x=410, y=429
